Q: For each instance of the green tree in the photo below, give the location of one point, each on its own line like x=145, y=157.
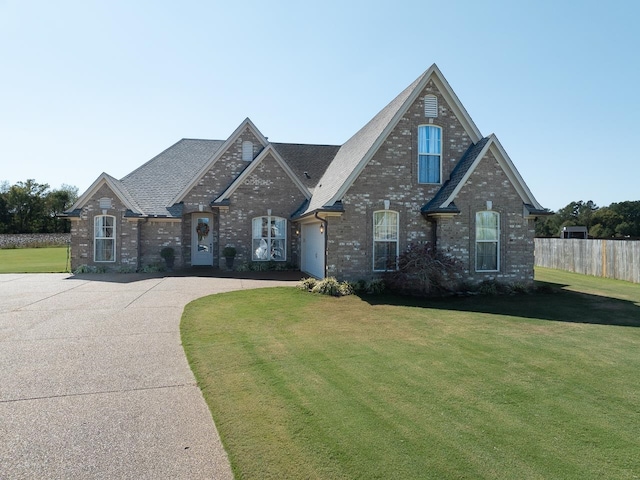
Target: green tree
x=629, y=212
x=5, y=217
x=576, y=213
x=604, y=223
x=58, y=201
x=26, y=205
x=30, y=207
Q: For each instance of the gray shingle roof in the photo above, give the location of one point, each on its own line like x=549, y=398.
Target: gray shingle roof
x=157, y=182
x=458, y=173
x=308, y=162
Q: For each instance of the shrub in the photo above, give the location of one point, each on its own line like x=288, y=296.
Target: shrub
x=346, y=289
x=152, y=268
x=423, y=271
x=307, y=284
x=376, y=287
x=270, y=266
x=125, y=269
x=229, y=252
x=488, y=287
x=84, y=269
x=327, y=286
x=520, y=288
x=168, y=253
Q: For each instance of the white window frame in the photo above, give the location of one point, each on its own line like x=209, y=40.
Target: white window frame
x=271, y=247
x=495, y=241
x=385, y=233
x=100, y=235
x=433, y=154
x=247, y=151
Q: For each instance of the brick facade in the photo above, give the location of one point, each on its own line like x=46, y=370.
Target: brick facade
x=389, y=179
x=350, y=237
x=82, y=233
x=268, y=187
x=456, y=235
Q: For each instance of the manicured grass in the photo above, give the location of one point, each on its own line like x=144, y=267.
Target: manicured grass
x=34, y=260
x=531, y=386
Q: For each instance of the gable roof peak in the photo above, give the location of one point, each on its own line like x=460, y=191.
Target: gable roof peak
x=356, y=152
x=246, y=123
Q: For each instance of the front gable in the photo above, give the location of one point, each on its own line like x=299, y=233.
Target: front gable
x=106, y=183
x=491, y=150
x=269, y=176
x=224, y=166
x=358, y=151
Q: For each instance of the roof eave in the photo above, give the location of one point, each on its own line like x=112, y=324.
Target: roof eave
x=337, y=208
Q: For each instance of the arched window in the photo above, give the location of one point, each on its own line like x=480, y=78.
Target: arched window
x=247, y=151
x=429, y=154
x=269, y=239
x=104, y=238
x=487, y=241
x=385, y=240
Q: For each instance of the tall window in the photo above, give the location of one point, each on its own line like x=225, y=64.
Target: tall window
x=270, y=239
x=429, y=154
x=104, y=238
x=487, y=241
x=385, y=240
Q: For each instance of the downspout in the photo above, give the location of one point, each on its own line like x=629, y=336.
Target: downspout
x=146, y=220
x=325, y=242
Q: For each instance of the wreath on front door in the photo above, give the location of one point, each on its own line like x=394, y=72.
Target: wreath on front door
x=202, y=230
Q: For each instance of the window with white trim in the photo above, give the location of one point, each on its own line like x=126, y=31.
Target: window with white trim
x=385, y=240
x=487, y=241
x=430, y=106
x=429, y=154
x=269, y=239
x=104, y=238
x=247, y=151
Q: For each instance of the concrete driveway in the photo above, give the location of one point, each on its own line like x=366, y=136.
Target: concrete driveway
x=94, y=382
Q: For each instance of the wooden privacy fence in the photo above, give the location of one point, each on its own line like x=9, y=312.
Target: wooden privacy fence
x=619, y=259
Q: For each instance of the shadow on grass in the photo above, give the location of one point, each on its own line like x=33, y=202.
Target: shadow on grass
x=551, y=302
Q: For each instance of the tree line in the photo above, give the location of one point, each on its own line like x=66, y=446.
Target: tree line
x=618, y=220
x=31, y=207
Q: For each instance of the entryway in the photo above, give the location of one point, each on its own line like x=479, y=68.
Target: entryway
x=202, y=239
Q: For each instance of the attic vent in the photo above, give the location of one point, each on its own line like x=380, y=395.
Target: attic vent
x=105, y=203
x=247, y=151
x=430, y=106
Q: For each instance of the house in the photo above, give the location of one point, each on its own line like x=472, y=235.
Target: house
x=419, y=171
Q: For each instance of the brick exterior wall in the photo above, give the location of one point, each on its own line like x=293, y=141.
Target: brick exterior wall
x=157, y=234
x=211, y=185
x=456, y=235
x=392, y=174
x=267, y=187
x=82, y=234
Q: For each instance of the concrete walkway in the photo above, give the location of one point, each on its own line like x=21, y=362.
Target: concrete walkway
x=94, y=382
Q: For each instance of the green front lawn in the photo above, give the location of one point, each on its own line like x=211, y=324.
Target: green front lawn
x=532, y=386
x=34, y=260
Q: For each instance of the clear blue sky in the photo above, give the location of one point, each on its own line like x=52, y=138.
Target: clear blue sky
x=92, y=86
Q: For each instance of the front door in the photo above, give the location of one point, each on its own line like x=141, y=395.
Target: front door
x=201, y=239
